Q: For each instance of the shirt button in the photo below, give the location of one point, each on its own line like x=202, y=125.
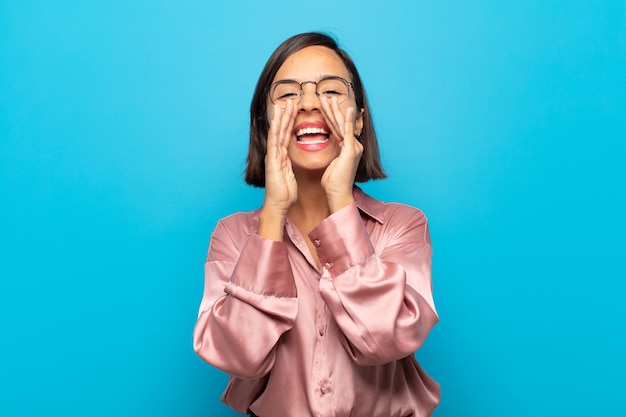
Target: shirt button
x=325, y=387
x=317, y=242
x=328, y=265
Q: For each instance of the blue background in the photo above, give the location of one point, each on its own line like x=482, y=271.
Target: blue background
x=123, y=133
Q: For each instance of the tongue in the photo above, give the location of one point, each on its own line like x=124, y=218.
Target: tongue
x=314, y=137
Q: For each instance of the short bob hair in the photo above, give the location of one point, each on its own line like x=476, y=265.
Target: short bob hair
x=369, y=167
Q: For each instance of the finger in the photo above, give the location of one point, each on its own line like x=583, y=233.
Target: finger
x=348, y=128
x=286, y=124
x=345, y=121
x=331, y=118
x=273, y=134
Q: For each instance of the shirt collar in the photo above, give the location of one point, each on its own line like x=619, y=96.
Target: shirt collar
x=369, y=205
x=366, y=204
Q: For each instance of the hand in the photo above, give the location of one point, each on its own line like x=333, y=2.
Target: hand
x=281, y=189
x=338, y=179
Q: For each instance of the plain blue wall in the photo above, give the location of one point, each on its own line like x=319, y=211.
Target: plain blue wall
x=123, y=129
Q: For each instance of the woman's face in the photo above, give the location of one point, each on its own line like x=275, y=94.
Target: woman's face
x=314, y=148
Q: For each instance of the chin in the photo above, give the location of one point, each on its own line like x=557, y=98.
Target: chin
x=310, y=167
x=313, y=160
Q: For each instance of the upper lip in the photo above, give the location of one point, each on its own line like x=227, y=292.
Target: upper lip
x=319, y=124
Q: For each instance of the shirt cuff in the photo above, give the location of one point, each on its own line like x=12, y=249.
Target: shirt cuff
x=341, y=240
x=264, y=268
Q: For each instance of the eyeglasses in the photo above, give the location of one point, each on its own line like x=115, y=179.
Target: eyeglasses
x=289, y=90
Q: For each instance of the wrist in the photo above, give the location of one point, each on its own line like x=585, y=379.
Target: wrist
x=337, y=203
x=271, y=224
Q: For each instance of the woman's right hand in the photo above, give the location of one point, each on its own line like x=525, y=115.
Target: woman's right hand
x=281, y=189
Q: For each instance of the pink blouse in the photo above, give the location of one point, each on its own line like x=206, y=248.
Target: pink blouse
x=336, y=340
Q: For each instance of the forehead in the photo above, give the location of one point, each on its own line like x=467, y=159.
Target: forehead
x=311, y=64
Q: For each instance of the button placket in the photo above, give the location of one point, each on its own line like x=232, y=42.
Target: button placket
x=320, y=373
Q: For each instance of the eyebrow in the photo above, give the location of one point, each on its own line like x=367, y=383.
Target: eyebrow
x=320, y=79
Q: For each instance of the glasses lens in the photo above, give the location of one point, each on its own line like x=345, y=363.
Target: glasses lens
x=284, y=91
x=333, y=87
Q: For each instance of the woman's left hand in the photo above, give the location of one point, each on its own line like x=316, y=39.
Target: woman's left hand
x=338, y=179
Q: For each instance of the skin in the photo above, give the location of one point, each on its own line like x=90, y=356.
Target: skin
x=302, y=186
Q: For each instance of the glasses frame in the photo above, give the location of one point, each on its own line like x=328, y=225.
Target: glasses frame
x=296, y=102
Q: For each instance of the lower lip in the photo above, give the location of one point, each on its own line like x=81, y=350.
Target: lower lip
x=312, y=147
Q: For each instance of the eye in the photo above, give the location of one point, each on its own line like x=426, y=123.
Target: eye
x=330, y=93
x=286, y=96
x=332, y=87
x=285, y=90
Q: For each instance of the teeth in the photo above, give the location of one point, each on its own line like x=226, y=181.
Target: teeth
x=311, y=142
x=311, y=131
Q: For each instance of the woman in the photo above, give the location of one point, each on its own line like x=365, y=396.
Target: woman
x=315, y=303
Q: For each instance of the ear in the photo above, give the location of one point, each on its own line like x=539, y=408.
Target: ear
x=358, y=123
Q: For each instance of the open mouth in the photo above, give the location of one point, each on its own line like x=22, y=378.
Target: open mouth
x=312, y=135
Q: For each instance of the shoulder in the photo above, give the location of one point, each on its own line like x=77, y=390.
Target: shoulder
x=404, y=212
x=394, y=218
x=384, y=212
x=403, y=220
x=246, y=222
x=231, y=232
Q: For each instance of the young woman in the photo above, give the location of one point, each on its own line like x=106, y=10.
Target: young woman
x=315, y=303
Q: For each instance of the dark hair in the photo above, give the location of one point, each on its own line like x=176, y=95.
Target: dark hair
x=369, y=167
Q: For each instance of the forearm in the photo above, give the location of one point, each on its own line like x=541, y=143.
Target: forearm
x=240, y=338
x=271, y=224
x=381, y=317
x=380, y=298
x=247, y=305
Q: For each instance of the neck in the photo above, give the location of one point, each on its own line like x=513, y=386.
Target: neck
x=311, y=207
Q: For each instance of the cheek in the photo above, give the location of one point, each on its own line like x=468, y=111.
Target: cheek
x=269, y=114
x=357, y=112
x=358, y=120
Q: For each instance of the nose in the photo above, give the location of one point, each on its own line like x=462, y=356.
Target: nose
x=310, y=101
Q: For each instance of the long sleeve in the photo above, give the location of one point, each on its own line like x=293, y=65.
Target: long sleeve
x=335, y=339
x=249, y=301
x=380, y=296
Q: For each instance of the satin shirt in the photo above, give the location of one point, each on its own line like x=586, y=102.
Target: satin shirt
x=333, y=340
